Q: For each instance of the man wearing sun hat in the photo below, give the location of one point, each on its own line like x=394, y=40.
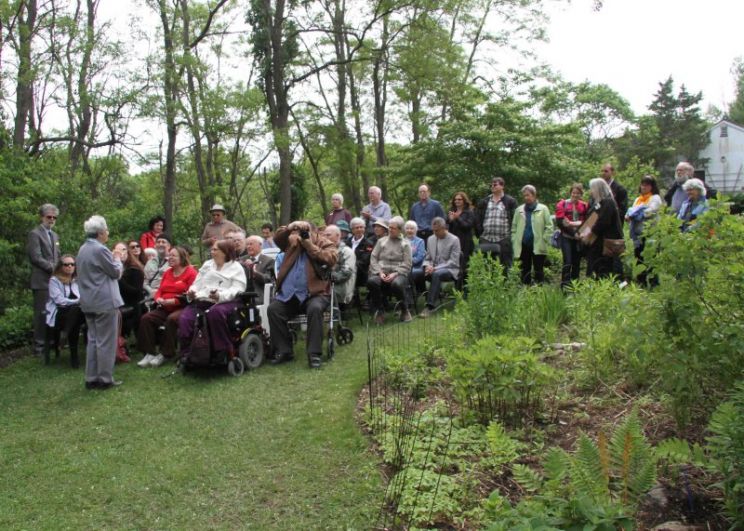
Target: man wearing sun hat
x=218, y=227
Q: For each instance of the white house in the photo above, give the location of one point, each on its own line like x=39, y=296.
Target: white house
x=725, y=153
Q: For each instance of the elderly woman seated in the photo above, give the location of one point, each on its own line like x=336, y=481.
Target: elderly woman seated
x=177, y=280
x=694, y=206
x=418, y=253
x=219, y=282
x=390, y=266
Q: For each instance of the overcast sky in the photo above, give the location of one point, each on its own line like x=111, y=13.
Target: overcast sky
x=631, y=45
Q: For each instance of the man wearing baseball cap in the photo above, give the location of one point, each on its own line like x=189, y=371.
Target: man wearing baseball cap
x=218, y=227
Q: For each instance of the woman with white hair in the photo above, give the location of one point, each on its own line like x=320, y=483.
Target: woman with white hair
x=603, y=223
x=695, y=204
x=98, y=273
x=338, y=212
x=418, y=253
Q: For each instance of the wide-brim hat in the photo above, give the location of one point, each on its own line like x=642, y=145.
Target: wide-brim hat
x=216, y=207
x=343, y=225
x=382, y=223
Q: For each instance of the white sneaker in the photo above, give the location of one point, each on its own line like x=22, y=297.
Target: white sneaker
x=145, y=362
x=157, y=361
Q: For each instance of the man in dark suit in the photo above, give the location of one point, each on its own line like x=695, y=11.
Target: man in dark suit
x=619, y=193
x=42, y=247
x=260, y=266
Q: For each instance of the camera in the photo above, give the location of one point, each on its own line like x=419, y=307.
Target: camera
x=304, y=234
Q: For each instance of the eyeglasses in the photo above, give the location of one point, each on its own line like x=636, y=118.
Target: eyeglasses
x=135, y=246
x=68, y=264
x=50, y=217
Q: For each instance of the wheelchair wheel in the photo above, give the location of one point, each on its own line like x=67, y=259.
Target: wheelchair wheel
x=331, y=347
x=344, y=335
x=235, y=367
x=251, y=351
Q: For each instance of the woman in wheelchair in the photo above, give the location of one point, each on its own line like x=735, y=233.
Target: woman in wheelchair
x=63, y=308
x=170, y=299
x=219, y=282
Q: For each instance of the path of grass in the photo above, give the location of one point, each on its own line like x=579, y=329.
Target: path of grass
x=277, y=448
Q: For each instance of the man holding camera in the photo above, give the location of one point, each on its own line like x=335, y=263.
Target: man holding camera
x=302, y=287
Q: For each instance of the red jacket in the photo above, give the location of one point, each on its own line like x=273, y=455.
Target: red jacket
x=172, y=287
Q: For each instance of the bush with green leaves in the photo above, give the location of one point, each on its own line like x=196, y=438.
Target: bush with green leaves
x=597, y=486
x=15, y=326
x=500, y=377
x=726, y=447
x=700, y=352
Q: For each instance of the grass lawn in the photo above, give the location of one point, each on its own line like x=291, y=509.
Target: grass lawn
x=277, y=448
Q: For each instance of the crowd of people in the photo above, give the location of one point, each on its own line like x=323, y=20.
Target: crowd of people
x=147, y=287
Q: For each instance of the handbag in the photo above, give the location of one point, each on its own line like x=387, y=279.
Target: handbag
x=555, y=239
x=586, y=235
x=613, y=247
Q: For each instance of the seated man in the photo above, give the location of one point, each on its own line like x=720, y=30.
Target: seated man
x=344, y=272
x=389, y=268
x=442, y=261
x=300, y=288
x=155, y=267
x=260, y=267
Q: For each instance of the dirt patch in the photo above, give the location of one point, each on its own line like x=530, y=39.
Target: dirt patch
x=11, y=356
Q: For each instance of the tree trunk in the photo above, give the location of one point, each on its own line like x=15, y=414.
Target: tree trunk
x=170, y=97
x=379, y=86
x=26, y=76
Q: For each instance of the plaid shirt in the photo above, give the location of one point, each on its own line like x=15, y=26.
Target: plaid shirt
x=496, y=222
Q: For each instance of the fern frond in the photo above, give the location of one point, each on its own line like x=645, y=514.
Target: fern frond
x=674, y=450
x=504, y=449
x=586, y=471
x=529, y=479
x=556, y=464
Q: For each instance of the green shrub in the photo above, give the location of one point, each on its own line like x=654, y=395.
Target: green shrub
x=16, y=326
x=726, y=447
x=500, y=377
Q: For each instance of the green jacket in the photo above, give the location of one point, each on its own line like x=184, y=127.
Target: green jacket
x=542, y=227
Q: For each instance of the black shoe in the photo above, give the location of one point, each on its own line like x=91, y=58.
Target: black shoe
x=108, y=385
x=92, y=385
x=314, y=361
x=281, y=358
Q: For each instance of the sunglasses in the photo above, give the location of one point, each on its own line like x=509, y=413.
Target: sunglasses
x=68, y=264
x=50, y=217
x=135, y=246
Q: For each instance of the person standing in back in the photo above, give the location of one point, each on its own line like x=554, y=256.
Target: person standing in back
x=42, y=247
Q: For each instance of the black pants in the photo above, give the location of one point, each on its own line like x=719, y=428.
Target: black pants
x=70, y=319
x=529, y=261
x=280, y=312
x=436, y=278
x=376, y=288
x=571, y=260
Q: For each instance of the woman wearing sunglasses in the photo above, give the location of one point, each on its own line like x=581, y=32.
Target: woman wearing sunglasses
x=63, y=308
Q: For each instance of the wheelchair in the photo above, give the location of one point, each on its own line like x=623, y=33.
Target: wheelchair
x=248, y=339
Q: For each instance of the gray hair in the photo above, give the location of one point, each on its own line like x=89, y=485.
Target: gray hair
x=410, y=223
x=338, y=196
x=694, y=183
x=334, y=229
x=529, y=188
x=48, y=207
x=254, y=238
x=398, y=221
x=375, y=189
x=687, y=167
x=602, y=189
x=94, y=226
x=356, y=221
x=236, y=231
x=438, y=222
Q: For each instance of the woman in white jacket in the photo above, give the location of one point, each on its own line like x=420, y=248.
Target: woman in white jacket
x=216, y=287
